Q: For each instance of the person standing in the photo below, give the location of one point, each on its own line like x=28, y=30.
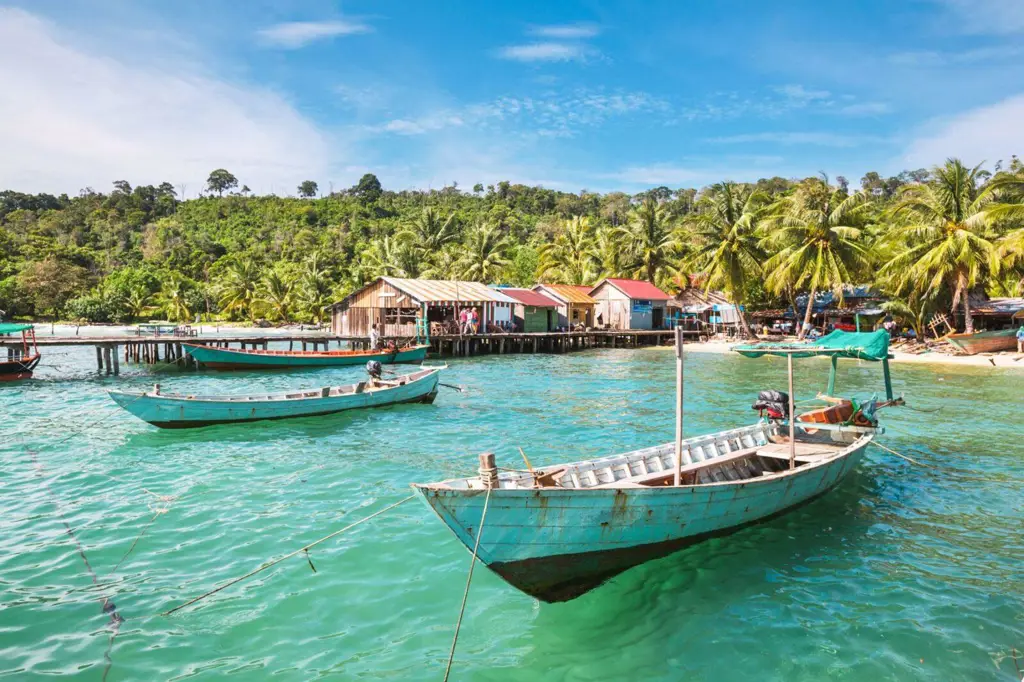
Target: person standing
x=464, y=321
x=1020, y=339
x=374, y=337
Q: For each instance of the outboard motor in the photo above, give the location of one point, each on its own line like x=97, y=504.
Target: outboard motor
x=374, y=369
x=775, y=403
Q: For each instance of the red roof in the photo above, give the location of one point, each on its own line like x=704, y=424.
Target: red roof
x=530, y=297
x=635, y=288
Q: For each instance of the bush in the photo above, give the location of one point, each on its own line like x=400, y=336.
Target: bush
x=93, y=308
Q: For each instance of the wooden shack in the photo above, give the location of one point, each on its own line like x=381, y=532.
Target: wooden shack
x=533, y=312
x=709, y=309
x=394, y=304
x=575, y=306
x=629, y=304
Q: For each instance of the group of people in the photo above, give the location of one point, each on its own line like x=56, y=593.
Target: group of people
x=469, y=321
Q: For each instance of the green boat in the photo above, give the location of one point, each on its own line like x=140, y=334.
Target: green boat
x=225, y=358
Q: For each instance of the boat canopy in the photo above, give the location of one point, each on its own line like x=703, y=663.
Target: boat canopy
x=858, y=345
x=12, y=327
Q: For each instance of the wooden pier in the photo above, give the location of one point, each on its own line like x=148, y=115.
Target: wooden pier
x=111, y=350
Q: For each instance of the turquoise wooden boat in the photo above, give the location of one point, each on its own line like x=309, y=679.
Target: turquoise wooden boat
x=174, y=411
x=226, y=358
x=985, y=342
x=558, y=532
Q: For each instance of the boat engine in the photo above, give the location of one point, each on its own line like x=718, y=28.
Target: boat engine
x=774, y=403
x=374, y=369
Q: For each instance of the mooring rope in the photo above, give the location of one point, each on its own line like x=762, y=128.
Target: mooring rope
x=469, y=580
x=269, y=564
x=909, y=459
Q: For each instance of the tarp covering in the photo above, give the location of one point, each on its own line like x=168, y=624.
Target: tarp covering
x=860, y=345
x=12, y=327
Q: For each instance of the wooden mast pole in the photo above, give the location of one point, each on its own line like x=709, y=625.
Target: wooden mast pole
x=792, y=415
x=679, y=404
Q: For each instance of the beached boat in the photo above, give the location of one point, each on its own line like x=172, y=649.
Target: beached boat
x=226, y=358
x=560, y=531
x=20, y=362
x=175, y=411
x=985, y=342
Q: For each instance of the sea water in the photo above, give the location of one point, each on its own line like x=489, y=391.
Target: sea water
x=904, y=572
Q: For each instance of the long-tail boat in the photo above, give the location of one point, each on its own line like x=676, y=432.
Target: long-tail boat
x=21, y=361
x=225, y=358
x=985, y=342
x=178, y=411
x=560, y=531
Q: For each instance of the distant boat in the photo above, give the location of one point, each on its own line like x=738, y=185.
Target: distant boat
x=20, y=362
x=225, y=358
x=175, y=411
x=985, y=342
x=558, y=532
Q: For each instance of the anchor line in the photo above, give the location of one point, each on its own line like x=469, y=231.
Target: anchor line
x=469, y=580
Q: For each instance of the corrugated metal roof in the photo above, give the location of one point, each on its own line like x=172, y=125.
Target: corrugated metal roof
x=568, y=293
x=437, y=290
x=530, y=297
x=635, y=288
x=998, y=306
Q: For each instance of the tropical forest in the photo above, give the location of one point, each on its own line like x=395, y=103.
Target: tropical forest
x=925, y=238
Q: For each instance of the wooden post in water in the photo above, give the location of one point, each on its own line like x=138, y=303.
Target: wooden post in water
x=117, y=364
x=679, y=405
x=99, y=359
x=792, y=415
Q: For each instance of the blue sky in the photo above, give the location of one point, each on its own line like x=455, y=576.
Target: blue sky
x=572, y=95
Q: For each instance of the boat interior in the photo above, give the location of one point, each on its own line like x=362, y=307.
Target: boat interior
x=368, y=386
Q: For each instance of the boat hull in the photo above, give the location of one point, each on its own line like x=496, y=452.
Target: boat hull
x=557, y=544
x=181, y=412
x=227, y=359
x=985, y=342
x=16, y=370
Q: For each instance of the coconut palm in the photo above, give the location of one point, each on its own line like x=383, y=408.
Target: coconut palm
x=610, y=254
x=914, y=312
x=649, y=240
x=315, y=287
x=484, y=253
x=138, y=302
x=173, y=299
x=815, y=234
x=240, y=288
x=276, y=292
x=725, y=243
x=429, y=232
x=444, y=265
x=571, y=258
x=390, y=257
x=944, y=236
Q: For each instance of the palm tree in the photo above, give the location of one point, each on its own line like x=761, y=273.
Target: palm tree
x=276, y=293
x=725, y=242
x=314, y=287
x=444, y=265
x=138, y=302
x=240, y=288
x=390, y=257
x=428, y=233
x=571, y=258
x=915, y=311
x=816, y=241
x=173, y=299
x=610, y=254
x=484, y=254
x=944, y=236
x=648, y=239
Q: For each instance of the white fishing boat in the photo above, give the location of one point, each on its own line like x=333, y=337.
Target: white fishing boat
x=559, y=531
x=176, y=411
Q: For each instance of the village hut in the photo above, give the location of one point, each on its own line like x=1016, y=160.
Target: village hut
x=396, y=304
x=629, y=304
x=533, y=312
x=575, y=306
x=994, y=314
x=706, y=309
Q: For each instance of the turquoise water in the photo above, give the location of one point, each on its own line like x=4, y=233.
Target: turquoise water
x=902, y=573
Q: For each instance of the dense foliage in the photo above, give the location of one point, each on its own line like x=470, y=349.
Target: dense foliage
x=927, y=238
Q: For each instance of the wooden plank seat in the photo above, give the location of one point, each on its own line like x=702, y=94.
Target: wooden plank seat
x=641, y=481
x=808, y=453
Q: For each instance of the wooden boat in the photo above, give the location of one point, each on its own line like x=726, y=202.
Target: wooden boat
x=174, y=411
x=20, y=362
x=558, y=532
x=225, y=358
x=985, y=342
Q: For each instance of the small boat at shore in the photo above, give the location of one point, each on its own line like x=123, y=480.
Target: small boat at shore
x=560, y=531
x=985, y=342
x=20, y=362
x=176, y=411
x=227, y=358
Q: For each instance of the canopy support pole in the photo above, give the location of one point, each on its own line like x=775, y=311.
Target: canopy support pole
x=792, y=416
x=856, y=317
x=888, y=378
x=832, y=376
x=679, y=405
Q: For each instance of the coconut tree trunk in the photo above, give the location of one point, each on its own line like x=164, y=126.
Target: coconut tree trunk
x=968, y=320
x=807, y=315
x=744, y=326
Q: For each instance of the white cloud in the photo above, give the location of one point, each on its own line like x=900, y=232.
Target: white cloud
x=799, y=138
x=545, y=52
x=296, y=34
x=865, y=109
x=933, y=59
x=983, y=134
x=566, y=31
x=71, y=118
x=799, y=93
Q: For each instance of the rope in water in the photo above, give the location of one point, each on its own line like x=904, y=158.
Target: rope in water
x=909, y=459
x=269, y=564
x=469, y=580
